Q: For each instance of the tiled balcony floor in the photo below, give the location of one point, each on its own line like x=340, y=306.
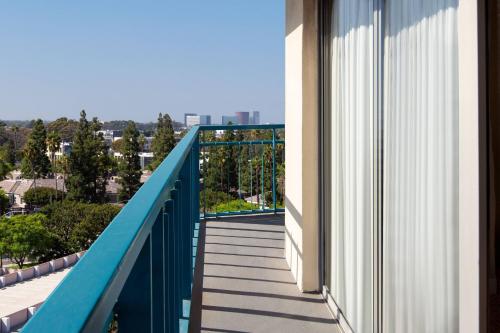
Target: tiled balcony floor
x=245, y=284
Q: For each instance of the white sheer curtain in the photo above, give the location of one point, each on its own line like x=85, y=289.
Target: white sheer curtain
x=420, y=264
x=352, y=100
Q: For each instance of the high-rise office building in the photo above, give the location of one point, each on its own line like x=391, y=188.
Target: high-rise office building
x=205, y=120
x=255, y=117
x=229, y=119
x=243, y=117
x=187, y=115
x=192, y=120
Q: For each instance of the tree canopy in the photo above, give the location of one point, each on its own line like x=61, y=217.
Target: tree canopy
x=35, y=163
x=23, y=236
x=163, y=140
x=88, y=164
x=96, y=219
x=41, y=196
x=5, y=166
x=75, y=225
x=4, y=202
x=65, y=127
x=130, y=166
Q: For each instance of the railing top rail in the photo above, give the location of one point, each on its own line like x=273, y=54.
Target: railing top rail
x=92, y=287
x=240, y=127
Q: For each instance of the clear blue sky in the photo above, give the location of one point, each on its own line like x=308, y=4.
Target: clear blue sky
x=133, y=59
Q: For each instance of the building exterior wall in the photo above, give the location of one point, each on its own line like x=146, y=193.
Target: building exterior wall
x=256, y=117
x=472, y=166
x=229, y=119
x=243, y=118
x=206, y=120
x=192, y=121
x=187, y=115
x=301, y=119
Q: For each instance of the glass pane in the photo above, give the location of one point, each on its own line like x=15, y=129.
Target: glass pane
x=352, y=160
x=420, y=273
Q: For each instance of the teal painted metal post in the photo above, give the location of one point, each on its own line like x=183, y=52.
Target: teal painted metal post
x=158, y=274
x=196, y=189
x=239, y=171
x=251, y=174
x=170, y=306
x=176, y=218
x=262, y=179
x=186, y=230
x=190, y=171
x=204, y=181
x=134, y=302
x=274, y=169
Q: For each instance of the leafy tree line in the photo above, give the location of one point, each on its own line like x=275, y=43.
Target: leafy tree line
x=89, y=165
x=147, y=128
x=60, y=229
x=70, y=223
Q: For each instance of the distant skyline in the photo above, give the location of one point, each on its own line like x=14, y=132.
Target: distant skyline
x=122, y=60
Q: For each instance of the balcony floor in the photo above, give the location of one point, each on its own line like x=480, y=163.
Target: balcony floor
x=243, y=283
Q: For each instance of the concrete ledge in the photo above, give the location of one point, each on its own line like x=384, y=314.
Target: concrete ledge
x=24, y=274
x=70, y=260
x=5, y=326
x=42, y=269
x=56, y=264
x=17, y=319
x=8, y=279
x=10, y=276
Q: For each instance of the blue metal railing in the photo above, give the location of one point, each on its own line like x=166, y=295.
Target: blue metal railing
x=138, y=274
x=273, y=208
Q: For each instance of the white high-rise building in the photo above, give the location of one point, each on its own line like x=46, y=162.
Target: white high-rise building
x=192, y=120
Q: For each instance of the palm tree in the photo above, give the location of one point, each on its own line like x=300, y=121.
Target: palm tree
x=15, y=129
x=64, y=167
x=53, y=145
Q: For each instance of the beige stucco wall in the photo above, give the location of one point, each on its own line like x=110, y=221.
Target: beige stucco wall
x=472, y=166
x=301, y=118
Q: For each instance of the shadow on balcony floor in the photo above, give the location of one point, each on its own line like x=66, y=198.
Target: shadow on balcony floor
x=243, y=283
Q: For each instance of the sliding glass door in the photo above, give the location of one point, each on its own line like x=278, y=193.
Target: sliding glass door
x=351, y=257
x=420, y=224
x=410, y=141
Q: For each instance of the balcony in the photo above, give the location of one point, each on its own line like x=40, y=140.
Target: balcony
x=165, y=265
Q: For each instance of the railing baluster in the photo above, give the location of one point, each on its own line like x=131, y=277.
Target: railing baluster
x=134, y=302
x=158, y=274
x=262, y=195
x=177, y=197
x=274, y=170
x=185, y=246
x=195, y=182
x=170, y=314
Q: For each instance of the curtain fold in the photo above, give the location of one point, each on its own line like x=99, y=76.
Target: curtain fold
x=352, y=109
x=420, y=223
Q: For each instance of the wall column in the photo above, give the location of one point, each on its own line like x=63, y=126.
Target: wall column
x=302, y=141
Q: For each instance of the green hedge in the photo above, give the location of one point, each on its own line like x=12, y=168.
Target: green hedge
x=234, y=206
